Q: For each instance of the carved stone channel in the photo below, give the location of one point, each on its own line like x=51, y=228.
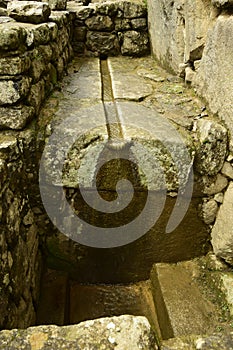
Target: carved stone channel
x=87, y=282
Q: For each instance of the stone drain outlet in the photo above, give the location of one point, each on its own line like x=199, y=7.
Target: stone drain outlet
x=84, y=282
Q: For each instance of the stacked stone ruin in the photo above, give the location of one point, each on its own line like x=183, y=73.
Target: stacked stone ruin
x=193, y=39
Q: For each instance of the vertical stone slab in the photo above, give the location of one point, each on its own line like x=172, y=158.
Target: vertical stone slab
x=215, y=75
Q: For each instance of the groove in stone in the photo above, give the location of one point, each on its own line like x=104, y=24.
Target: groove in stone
x=115, y=132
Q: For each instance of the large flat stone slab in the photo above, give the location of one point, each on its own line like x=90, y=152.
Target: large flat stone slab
x=121, y=333
x=181, y=307
x=222, y=232
x=126, y=84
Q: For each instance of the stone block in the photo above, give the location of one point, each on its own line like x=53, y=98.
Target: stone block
x=227, y=170
x=83, y=12
x=100, y=23
x=209, y=211
x=12, y=91
x=102, y=43
x=125, y=332
x=53, y=30
x=11, y=36
x=139, y=23
x=122, y=24
x=15, y=117
x=135, y=43
x=222, y=232
x=212, y=146
x=181, y=307
x=107, y=8
x=214, y=185
x=36, y=95
x=133, y=9
x=14, y=65
x=57, y=4
x=37, y=34
x=29, y=11
x=215, y=75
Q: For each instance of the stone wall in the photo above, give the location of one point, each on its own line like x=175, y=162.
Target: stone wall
x=33, y=58
x=19, y=245
x=193, y=38
x=111, y=28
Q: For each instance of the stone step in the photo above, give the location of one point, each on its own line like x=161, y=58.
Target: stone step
x=95, y=301
x=181, y=307
x=63, y=301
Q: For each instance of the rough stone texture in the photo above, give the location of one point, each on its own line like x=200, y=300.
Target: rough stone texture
x=102, y=43
x=222, y=3
x=135, y=43
x=13, y=91
x=209, y=211
x=181, y=306
x=123, y=332
x=28, y=75
x=227, y=170
x=214, y=76
x=102, y=21
x=226, y=283
x=214, y=185
x=222, y=232
x=134, y=9
x=211, y=342
x=29, y=11
x=14, y=65
x=212, y=147
x=57, y=4
x=11, y=36
x=178, y=30
x=15, y=117
x=19, y=250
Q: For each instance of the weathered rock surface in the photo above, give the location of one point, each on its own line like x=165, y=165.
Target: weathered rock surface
x=19, y=251
x=212, y=342
x=102, y=43
x=123, y=332
x=13, y=91
x=212, y=147
x=214, y=76
x=212, y=185
x=103, y=21
x=222, y=232
x=15, y=117
x=209, y=211
x=11, y=36
x=29, y=11
x=227, y=170
x=135, y=44
x=222, y=3
x=57, y=4
x=181, y=306
x=100, y=23
x=178, y=30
